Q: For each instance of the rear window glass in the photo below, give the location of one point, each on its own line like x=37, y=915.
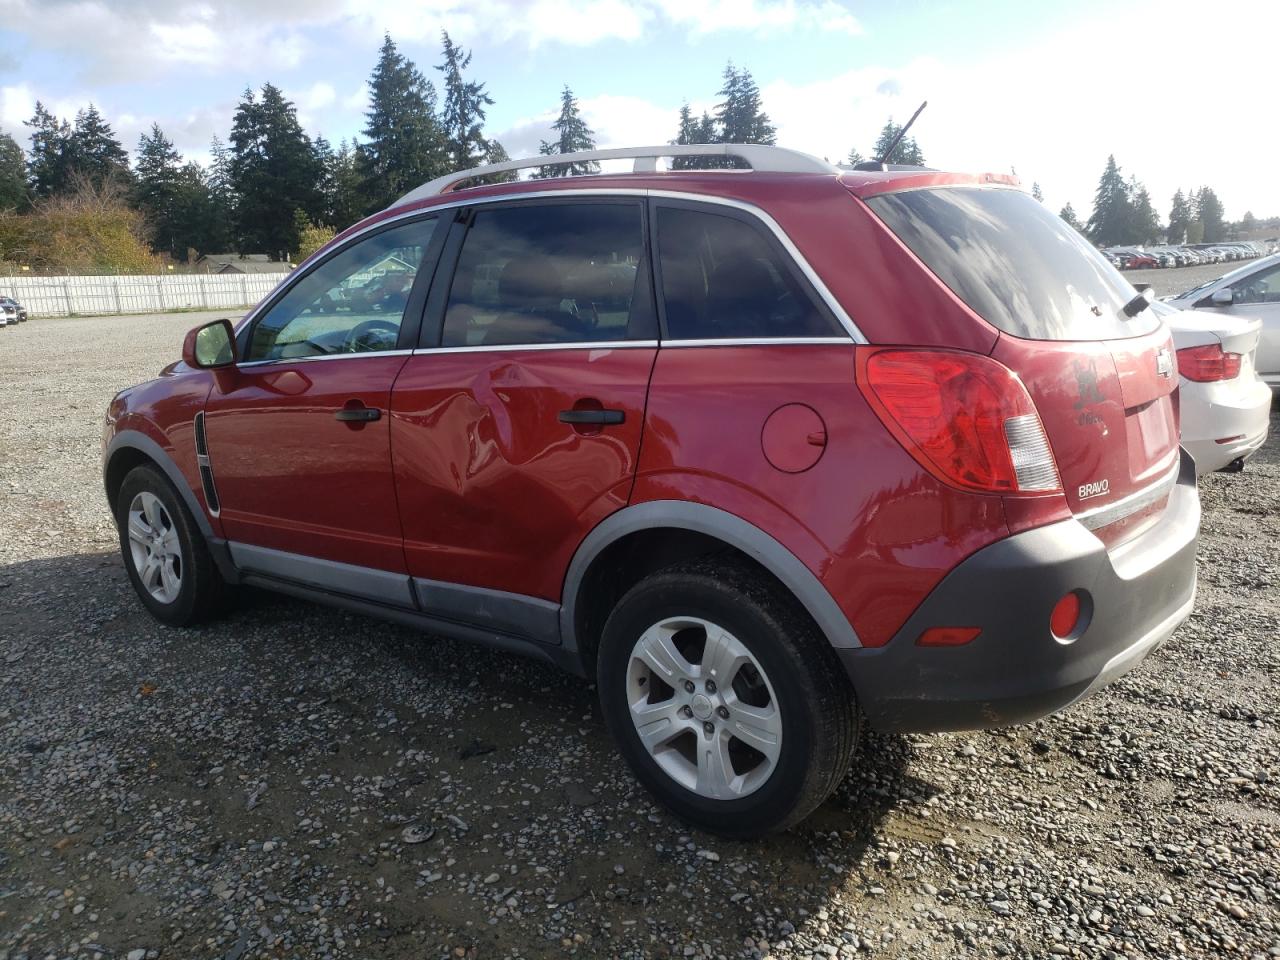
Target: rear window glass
x=1015, y=263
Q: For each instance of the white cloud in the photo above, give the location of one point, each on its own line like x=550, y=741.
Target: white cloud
x=710, y=16
x=16, y=105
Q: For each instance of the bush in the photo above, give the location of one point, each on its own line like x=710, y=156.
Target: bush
x=90, y=230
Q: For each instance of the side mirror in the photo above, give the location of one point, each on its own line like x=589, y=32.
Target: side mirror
x=210, y=346
x=1223, y=297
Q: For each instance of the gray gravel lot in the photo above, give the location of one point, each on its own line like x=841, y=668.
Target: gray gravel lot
x=298, y=782
x=1175, y=280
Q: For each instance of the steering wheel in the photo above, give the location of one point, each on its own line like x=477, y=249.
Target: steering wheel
x=355, y=342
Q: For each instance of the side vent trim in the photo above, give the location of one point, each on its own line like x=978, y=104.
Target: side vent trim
x=206, y=471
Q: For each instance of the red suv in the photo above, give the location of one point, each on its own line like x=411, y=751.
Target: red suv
x=768, y=453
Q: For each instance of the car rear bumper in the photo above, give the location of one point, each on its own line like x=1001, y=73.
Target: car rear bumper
x=1015, y=670
x=1235, y=411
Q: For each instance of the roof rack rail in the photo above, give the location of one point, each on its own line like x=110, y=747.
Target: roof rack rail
x=759, y=157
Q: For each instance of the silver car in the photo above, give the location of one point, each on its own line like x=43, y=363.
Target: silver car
x=1251, y=290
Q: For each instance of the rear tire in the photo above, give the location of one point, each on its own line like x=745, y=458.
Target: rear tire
x=725, y=699
x=168, y=561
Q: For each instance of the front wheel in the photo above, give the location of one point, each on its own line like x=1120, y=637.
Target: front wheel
x=725, y=699
x=168, y=561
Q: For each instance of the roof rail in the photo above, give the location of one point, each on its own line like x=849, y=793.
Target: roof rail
x=757, y=156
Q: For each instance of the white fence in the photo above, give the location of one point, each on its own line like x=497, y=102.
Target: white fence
x=65, y=296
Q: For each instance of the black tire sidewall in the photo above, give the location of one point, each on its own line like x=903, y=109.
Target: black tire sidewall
x=706, y=598
x=147, y=479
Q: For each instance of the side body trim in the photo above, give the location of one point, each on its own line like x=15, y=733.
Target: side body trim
x=512, y=614
x=380, y=586
x=731, y=529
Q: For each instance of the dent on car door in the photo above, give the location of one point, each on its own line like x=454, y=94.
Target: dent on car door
x=297, y=433
x=517, y=429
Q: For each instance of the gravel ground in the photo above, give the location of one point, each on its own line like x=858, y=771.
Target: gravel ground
x=1175, y=280
x=298, y=782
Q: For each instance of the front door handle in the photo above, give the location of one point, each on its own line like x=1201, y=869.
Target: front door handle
x=358, y=414
x=592, y=417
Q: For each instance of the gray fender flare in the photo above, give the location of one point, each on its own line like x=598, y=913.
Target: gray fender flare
x=139, y=441
x=731, y=529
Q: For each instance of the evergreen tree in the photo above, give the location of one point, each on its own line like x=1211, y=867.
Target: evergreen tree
x=908, y=151
x=1180, y=216
x=1144, y=225
x=1209, y=212
x=572, y=135
x=1036, y=192
x=156, y=190
x=854, y=158
x=464, y=109
x=194, y=219
x=13, y=174
x=346, y=200
x=94, y=151
x=1068, y=213
x=495, y=152
x=222, y=200
x=740, y=116
x=1112, y=210
x=49, y=168
x=274, y=173
x=405, y=144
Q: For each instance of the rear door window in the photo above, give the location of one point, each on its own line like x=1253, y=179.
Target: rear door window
x=724, y=278
x=562, y=272
x=1015, y=263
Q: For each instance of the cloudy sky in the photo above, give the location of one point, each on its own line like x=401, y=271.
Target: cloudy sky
x=1184, y=93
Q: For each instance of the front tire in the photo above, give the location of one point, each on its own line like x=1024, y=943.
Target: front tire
x=168, y=561
x=725, y=699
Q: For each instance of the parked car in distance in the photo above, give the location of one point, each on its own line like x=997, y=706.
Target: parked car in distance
x=669, y=431
x=8, y=313
x=14, y=309
x=1251, y=290
x=1225, y=408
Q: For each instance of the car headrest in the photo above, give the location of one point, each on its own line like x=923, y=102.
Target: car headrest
x=530, y=282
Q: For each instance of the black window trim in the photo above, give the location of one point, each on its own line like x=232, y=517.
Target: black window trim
x=785, y=257
x=411, y=321
x=431, y=337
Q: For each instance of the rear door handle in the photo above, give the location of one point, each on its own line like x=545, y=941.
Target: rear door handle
x=605, y=417
x=358, y=414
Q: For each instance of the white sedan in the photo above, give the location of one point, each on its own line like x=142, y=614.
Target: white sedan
x=1225, y=407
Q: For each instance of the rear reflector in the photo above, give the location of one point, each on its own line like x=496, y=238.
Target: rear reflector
x=947, y=636
x=1208, y=363
x=1065, y=616
x=1238, y=436
x=966, y=418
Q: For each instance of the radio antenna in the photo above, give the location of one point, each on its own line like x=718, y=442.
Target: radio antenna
x=888, y=154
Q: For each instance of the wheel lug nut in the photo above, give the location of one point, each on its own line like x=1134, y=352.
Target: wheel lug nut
x=709, y=727
x=688, y=686
x=724, y=713
x=711, y=686
x=686, y=711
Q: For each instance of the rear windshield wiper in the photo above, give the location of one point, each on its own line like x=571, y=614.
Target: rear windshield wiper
x=1138, y=303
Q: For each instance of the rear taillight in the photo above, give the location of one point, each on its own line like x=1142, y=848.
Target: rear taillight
x=966, y=418
x=1208, y=363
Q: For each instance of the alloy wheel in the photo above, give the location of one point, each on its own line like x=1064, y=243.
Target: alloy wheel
x=704, y=708
x=154, y=547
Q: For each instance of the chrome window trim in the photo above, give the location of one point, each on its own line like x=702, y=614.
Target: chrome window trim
x=793, y=251
x=354, y=355
x=1132, y=503
x=756, y=342
x=521, y=347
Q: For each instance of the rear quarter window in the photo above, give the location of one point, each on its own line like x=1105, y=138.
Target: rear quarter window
x=1015, y=263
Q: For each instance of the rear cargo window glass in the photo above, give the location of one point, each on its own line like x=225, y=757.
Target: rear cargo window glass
x=1015, y=263
x=721, y=278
